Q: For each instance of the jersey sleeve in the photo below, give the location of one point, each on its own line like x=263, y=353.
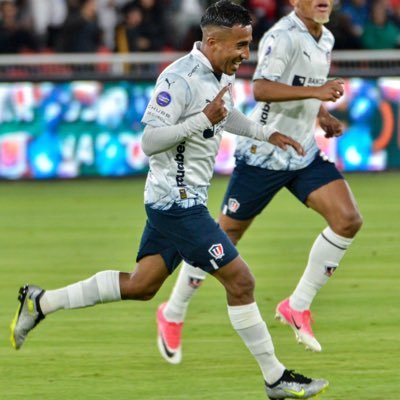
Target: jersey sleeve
x=275, y=53
x=169, y=101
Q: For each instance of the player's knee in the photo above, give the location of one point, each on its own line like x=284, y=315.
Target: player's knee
x=349, y=224
x=243, y=285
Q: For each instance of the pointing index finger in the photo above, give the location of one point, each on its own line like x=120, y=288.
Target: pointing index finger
x=221, y=93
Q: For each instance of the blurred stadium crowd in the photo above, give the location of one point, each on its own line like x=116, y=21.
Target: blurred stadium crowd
x=122, y=26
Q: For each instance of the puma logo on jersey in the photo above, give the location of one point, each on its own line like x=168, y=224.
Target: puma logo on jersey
x=307, y=55
x=169, y=83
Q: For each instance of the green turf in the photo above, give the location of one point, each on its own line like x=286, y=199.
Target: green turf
x=55, y=233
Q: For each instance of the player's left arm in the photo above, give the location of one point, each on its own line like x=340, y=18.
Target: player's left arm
x=238, y=124
x=331, y=125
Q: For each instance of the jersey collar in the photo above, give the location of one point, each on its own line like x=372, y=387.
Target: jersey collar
x=302, y=26
x=200, y=56
x=298, y=21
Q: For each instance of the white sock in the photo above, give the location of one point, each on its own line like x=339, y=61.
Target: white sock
x=189, y=279
x=325, y=255
x=100, y=288
x=248, y=323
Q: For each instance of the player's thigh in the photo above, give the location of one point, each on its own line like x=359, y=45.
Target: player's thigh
x=156, y=243
x=196, y=236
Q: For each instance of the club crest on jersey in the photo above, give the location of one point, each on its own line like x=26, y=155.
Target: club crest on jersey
x=163, y=99
x=217, y=251
x=233, y=205
x=329, y=270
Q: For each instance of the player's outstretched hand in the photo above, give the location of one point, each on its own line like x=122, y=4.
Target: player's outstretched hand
x=215, y=110
x=331, y=90
x=282, y=141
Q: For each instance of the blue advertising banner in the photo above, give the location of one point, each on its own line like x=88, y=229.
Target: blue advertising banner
x=92, y=128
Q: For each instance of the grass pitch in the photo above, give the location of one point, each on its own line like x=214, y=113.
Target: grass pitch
x=55, y=233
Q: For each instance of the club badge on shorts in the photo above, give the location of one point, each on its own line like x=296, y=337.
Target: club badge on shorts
x=217, y=251
x=233, y=205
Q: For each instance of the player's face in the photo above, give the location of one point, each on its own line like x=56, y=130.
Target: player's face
x=230, y=48
x=315, y=10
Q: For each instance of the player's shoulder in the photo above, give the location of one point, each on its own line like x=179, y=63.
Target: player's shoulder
x=282, y=30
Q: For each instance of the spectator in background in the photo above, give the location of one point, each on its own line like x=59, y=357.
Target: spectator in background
x=357, y=12
x=48, y=17
x=81, y=32
x=379, y=31
x=394, y=11
x=14, y=37
x=264, y=15
x=135, y=33
x=108, y=17
x=154, y=20
x=183, y=18
x=346, y=35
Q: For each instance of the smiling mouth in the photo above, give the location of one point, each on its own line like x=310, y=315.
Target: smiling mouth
x=322, y=7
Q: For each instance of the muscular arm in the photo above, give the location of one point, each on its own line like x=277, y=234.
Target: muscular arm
x=270, y=91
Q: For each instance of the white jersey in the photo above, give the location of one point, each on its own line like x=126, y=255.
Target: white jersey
x=182, y=174
x=290, y=55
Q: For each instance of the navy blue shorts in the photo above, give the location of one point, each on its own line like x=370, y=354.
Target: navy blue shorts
x=186, y=233
x=251, y=188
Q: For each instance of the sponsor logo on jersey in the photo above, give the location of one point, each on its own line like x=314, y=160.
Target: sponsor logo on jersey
x=315, y=81
x=329, y=270
x=217, y=251
x=233, y=205
x=265, y=113
x=298, y=80
x=268, y=51
x=180, y=164
x=163, y=99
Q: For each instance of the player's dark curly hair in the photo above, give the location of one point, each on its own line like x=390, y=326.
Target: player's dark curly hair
x=225, y=13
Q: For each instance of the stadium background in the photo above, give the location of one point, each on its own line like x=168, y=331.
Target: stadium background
x=68, y=114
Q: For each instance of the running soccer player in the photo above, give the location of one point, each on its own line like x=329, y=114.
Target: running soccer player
x=290, y=84
x=190, y=108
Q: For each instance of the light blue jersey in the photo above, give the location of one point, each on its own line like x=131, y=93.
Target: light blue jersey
x=290, y=55
x=182, y=174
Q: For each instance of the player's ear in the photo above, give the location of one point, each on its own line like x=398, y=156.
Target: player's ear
x=211, y=41
x=294, y=3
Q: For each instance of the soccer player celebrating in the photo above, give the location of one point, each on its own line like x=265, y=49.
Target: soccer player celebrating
x=190, y=108
x=290, y=84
